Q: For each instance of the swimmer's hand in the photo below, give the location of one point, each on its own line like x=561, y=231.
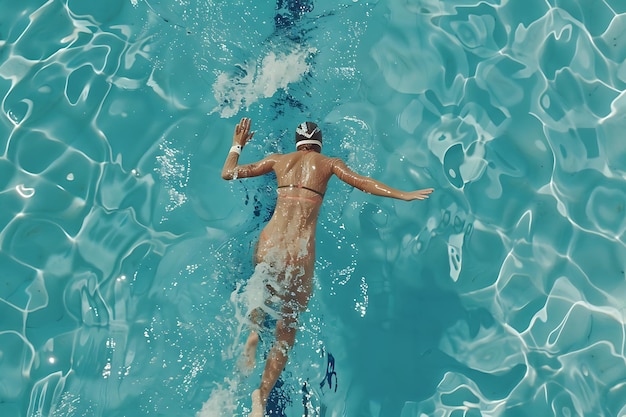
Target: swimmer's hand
x=418, y=195
x=242, y=132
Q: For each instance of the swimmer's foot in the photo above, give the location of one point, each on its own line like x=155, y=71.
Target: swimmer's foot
x=257, y=405
x=247, y=361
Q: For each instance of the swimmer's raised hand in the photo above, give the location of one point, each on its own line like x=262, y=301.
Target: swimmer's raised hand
x=419, y=194
x=242, y=132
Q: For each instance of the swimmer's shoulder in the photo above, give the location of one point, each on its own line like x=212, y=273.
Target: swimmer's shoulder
x=333, y=162
x=279, y=159
x=327, y=161
x=276, y=157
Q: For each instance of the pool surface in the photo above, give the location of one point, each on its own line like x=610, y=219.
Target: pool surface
x=123, y=254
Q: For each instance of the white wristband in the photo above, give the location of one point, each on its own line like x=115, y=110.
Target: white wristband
x=236, y=149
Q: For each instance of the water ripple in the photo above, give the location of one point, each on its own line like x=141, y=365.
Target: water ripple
x=122, y=251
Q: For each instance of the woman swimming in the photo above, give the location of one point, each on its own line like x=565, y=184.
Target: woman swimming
x=286, y=247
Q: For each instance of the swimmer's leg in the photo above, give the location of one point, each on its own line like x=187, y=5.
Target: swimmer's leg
x=257, y=319
x=248, y=357
x=286, y=328
x=295, y=295
x=276, y=361
x=258, y=409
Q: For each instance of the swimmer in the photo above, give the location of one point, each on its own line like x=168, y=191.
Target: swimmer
x=287, y=242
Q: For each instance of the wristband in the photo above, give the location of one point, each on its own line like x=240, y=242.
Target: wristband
x=236, y=149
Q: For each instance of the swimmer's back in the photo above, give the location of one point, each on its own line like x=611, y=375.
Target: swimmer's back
x=304, y=170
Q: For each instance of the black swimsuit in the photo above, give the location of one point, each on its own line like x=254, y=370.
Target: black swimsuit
x=301, y=186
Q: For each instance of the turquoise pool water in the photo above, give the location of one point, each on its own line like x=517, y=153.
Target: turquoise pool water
x=121, y=247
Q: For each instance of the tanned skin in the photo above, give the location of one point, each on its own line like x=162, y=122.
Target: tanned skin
x=289, y=237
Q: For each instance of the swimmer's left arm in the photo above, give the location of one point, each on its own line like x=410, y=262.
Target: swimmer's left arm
x=232, y=169
x=372, y=186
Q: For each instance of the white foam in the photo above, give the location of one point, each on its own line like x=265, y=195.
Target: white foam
x=222, y=402
x=262, y=79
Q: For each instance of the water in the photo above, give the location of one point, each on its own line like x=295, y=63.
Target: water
x=121, y=247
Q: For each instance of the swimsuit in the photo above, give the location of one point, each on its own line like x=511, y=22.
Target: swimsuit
x=301, y=186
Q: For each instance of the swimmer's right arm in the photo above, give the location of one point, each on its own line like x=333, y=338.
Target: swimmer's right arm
x=372, y=186
x=232, y=169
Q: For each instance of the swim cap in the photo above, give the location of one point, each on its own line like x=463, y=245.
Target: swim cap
x=308, y=133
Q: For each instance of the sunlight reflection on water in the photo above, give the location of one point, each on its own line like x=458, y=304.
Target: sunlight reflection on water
x=121, y=246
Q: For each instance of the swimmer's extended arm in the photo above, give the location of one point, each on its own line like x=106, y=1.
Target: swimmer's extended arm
x=374, y=187
x=232, y=169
